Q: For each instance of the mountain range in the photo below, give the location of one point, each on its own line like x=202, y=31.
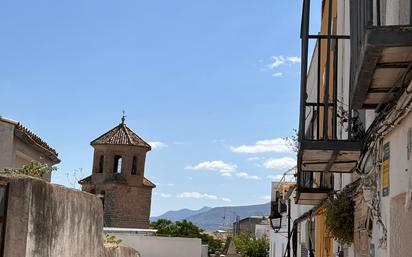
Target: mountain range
x=212, y=219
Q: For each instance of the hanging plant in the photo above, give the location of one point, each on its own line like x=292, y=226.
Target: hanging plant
x=340, y=218
x=357, y=129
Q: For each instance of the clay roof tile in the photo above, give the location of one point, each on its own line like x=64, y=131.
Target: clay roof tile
x=120, y=135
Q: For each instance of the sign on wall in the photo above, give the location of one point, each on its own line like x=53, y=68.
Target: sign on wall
x=385, y=170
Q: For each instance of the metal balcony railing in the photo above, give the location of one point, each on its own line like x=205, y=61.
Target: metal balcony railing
x=328, y=139
x=311, y=181
x=313, y=187
x=381, y=37
x=321, y=111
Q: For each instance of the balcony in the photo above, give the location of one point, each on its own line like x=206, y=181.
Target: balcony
x=329, y=130
x=313, y=187
x=381, y=51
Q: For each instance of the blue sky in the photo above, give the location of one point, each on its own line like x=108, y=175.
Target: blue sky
x=204, y=78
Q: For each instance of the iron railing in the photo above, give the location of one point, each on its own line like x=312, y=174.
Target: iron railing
x=366, y=15
x=311, y=181
x=323, y=116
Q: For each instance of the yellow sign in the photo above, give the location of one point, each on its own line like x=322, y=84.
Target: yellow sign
x=385, y=170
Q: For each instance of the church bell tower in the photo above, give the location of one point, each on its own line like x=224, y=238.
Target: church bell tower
x=118, y=178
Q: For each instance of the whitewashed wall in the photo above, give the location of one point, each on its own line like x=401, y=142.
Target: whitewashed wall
x=154, y=246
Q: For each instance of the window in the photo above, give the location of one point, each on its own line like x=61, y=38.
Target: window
x=117, y=168
x=101, y=163
x=3, y=211
x=134, y=165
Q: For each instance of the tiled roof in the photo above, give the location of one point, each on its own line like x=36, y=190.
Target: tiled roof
x=86, y=180
x=148, y=183
x=29, y=137
x=120, y=135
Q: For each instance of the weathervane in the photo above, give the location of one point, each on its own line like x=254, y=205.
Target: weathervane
x=123, y=116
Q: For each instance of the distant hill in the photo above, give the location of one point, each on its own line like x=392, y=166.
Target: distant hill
x=212, y=219
x=180, y=214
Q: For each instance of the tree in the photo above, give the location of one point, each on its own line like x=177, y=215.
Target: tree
x=164, y=227
x=213, y=243
x=250, y=246
x=187, y=229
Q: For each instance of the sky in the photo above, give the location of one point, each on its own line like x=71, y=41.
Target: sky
x=213, y=85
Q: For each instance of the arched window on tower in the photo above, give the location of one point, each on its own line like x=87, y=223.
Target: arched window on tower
x=117, y=168
x=134, y=165
x=101, y=163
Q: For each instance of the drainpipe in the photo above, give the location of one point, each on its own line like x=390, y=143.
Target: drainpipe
x=289, y=234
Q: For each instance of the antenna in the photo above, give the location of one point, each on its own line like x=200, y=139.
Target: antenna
x=224, y=218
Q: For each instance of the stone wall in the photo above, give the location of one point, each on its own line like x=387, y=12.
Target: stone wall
x=126, y=206
x=120, y=251
x=46, y=220
x=127, y=153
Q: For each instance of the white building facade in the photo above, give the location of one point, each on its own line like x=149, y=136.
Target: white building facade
x=355, y=131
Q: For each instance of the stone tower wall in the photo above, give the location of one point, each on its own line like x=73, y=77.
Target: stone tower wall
x=126, y=206
x=127, y=152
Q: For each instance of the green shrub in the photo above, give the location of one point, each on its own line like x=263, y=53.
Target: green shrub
x=340, y=218
x=186, y=228
x=250, y=246
x=110, y=239
x=34, y=169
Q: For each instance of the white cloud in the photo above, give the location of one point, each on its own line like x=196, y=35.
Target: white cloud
x=265, y=197
x=279, y=177
x=278, y=145
x=280, y=60
x=226, y=174
x=220, y=166
x=197, y=195
x=293, y=59
x=157, y=145
x=165, y=195
x=277, y=74
x=277, y=61
x=247, y=176
x=253, y=158
x=275, y=177
x=281, y=163
x=168, y=184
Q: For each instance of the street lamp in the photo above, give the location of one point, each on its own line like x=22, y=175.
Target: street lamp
x=275, y=217
x=276, y=223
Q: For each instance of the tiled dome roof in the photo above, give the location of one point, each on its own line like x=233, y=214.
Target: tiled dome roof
x=120, y=135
